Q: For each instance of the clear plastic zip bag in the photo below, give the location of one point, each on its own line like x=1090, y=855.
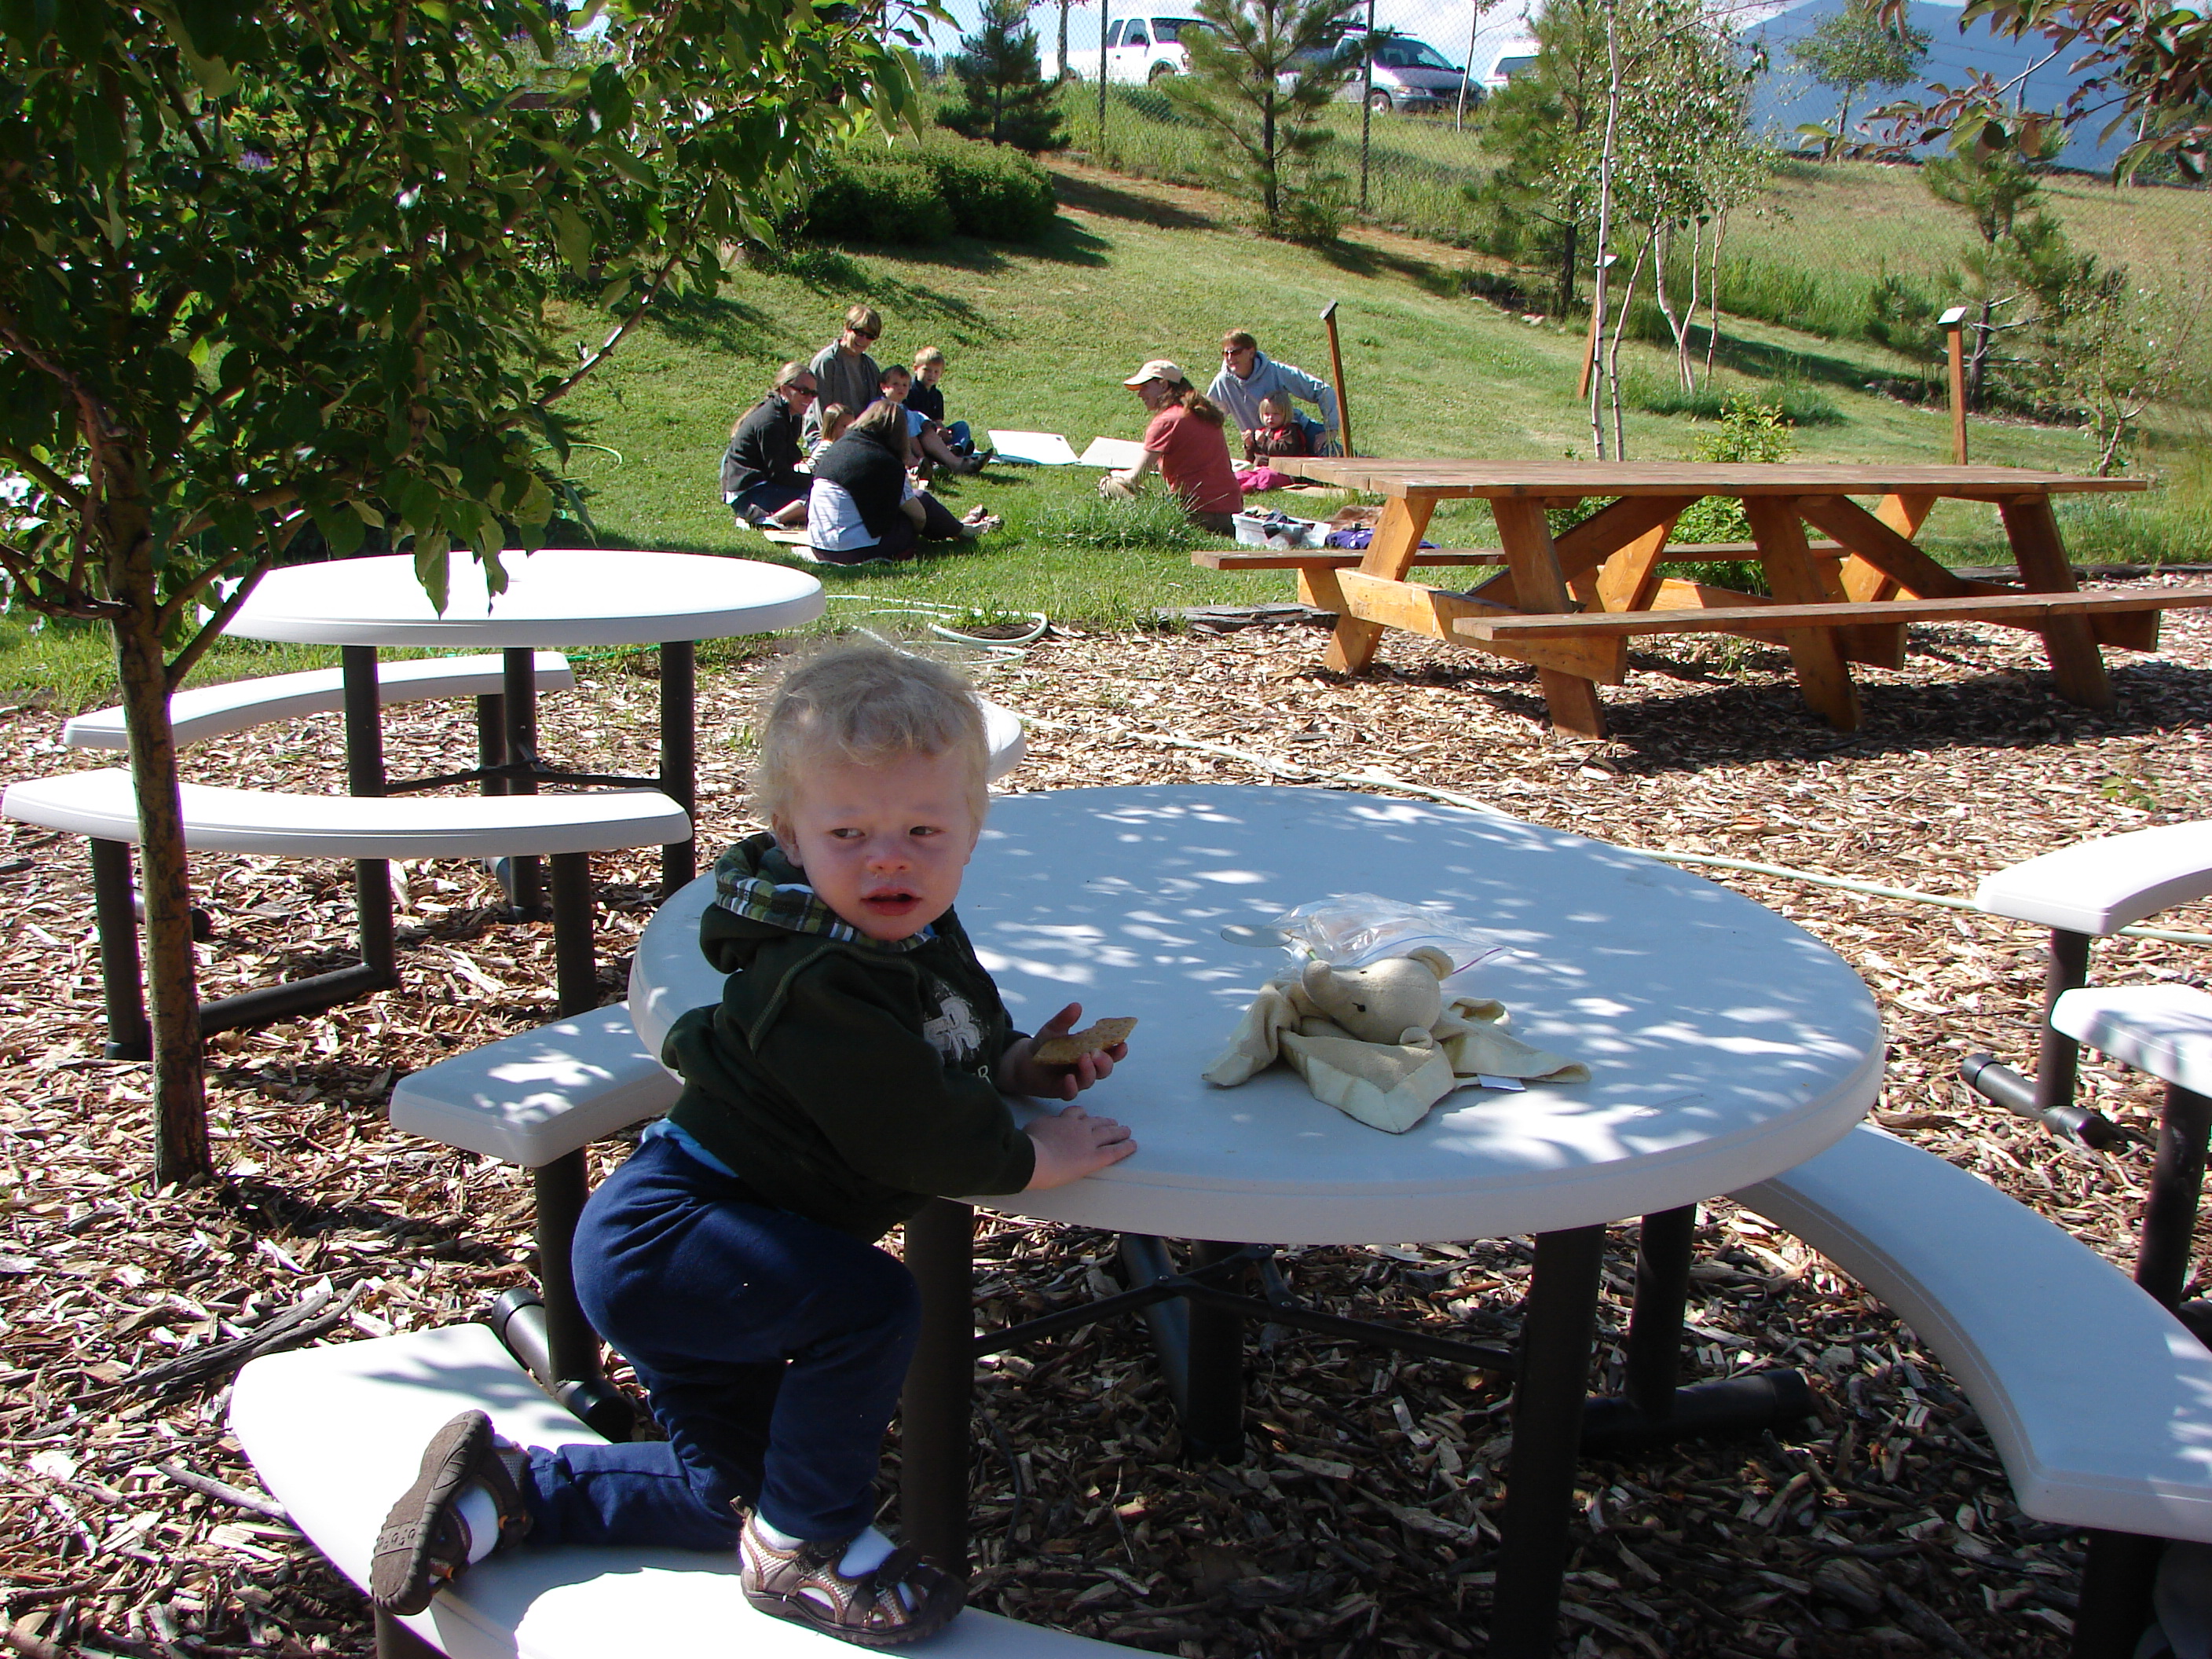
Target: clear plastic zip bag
x=1350, y=930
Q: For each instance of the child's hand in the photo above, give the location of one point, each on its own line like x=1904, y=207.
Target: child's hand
x=1021, y=1072
x=1072, y=1144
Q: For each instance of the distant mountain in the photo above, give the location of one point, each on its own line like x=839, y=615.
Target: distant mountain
x=1787, y=96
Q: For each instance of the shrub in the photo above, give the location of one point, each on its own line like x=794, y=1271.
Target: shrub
x=887, y=202
x=919, y=197
x=998, y=194
x=1748, y=430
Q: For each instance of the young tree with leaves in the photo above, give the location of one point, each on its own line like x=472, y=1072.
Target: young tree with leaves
x=1261, y=72
x=1004, y=98
x=1544, y=129
x=280, y=263
x=1993, y=190
x=1854, y=50
x=2148, y=68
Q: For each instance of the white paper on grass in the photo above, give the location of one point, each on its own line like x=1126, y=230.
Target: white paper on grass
x=1038, y=448
x=1119, y=453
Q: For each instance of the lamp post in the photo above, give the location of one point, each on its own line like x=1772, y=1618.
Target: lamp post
x=1954, y=323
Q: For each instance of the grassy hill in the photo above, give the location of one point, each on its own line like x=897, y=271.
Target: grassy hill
x=1040, y=338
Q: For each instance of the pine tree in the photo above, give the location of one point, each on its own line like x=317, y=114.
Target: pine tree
x=1262, y=73
x=1005, y=99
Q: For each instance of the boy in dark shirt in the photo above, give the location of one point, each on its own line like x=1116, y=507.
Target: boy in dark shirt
x=852, y=1070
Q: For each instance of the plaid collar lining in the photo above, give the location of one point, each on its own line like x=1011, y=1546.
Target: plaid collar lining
x=797, y=908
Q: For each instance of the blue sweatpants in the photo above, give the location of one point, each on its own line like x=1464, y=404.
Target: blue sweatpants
x=772, y=1349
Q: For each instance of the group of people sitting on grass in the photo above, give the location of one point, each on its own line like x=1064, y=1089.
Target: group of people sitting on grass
x=844, y=447
x=1188, y=436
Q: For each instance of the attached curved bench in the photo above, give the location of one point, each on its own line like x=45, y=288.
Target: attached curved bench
x=220, y=711
x=2096, y=1399
x=335, y=1433
x=101, y=804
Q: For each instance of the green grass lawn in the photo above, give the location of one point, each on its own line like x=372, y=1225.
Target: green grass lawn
x=1040, y=338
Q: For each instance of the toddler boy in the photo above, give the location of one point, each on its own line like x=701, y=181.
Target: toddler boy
x=852, y=1070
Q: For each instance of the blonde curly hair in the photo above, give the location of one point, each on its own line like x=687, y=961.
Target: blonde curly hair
x=865, y=703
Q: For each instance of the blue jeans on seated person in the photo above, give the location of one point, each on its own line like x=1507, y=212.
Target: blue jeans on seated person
x=772, y=1349
x=768, y=498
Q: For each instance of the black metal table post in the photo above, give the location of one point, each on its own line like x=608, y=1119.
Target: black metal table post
x=1556, y=1339
x=679, y=744
x=940, y=1381
x=526, y=889
x=364, y=738
x=1662, y=1296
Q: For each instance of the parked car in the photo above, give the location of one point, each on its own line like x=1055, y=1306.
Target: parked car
x=1408, y=75
x=1413, y=76
x=1139, y=49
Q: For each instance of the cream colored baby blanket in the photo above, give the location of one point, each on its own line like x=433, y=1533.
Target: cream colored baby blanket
x=1388, y=1085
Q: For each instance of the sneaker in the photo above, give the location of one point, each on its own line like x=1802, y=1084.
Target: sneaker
x=424, y=1541
x=903, y=1600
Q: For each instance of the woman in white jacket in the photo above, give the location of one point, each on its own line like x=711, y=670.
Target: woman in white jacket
x=1247, y=375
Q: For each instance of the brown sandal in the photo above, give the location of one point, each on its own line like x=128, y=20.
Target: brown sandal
x=423, y=1541
x=802, y=1584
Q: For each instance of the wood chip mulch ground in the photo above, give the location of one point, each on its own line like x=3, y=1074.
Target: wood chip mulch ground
x=1363, y=1519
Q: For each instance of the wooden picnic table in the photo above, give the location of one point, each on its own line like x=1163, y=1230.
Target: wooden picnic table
x=1567, y=604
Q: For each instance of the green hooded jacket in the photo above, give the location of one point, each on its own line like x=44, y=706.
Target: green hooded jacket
x=843, y=1079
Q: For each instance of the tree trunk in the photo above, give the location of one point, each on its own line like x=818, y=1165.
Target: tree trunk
x=1606, y=156
x=1567, y=267
x=1662, y=240
x=1063, y=44
x=1713, y=296
x=1977, y=359
x=1613, y=356
x=1270, y=184
x=181, y=1141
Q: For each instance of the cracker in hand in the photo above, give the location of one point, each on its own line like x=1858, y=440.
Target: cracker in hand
x=1095, y=1039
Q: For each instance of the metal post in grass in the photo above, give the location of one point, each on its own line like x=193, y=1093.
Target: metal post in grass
x=1105, y=7
x=1954, y=323
x=1366, y=109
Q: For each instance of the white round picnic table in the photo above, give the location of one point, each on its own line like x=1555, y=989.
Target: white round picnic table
x=554, y=597
x=1725, y=1045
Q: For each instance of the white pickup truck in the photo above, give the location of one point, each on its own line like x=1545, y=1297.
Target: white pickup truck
x=1139, y=49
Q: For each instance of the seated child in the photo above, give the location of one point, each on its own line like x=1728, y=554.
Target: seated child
x=836, y=419
x=852, y=1069
x=924, y=436
x=1279, y=432
x=928, y=370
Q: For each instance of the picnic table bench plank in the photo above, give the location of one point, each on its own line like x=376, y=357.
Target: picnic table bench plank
x=1756, y=615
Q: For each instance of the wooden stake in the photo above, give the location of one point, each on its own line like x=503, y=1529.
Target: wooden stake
x=1336, y=367
x=1954, y=332
x=1591, y=346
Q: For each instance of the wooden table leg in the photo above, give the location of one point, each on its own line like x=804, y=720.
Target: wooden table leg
x=2075, y=664
x=1390, y=555
x=1822, y=673
x=1526, y=536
